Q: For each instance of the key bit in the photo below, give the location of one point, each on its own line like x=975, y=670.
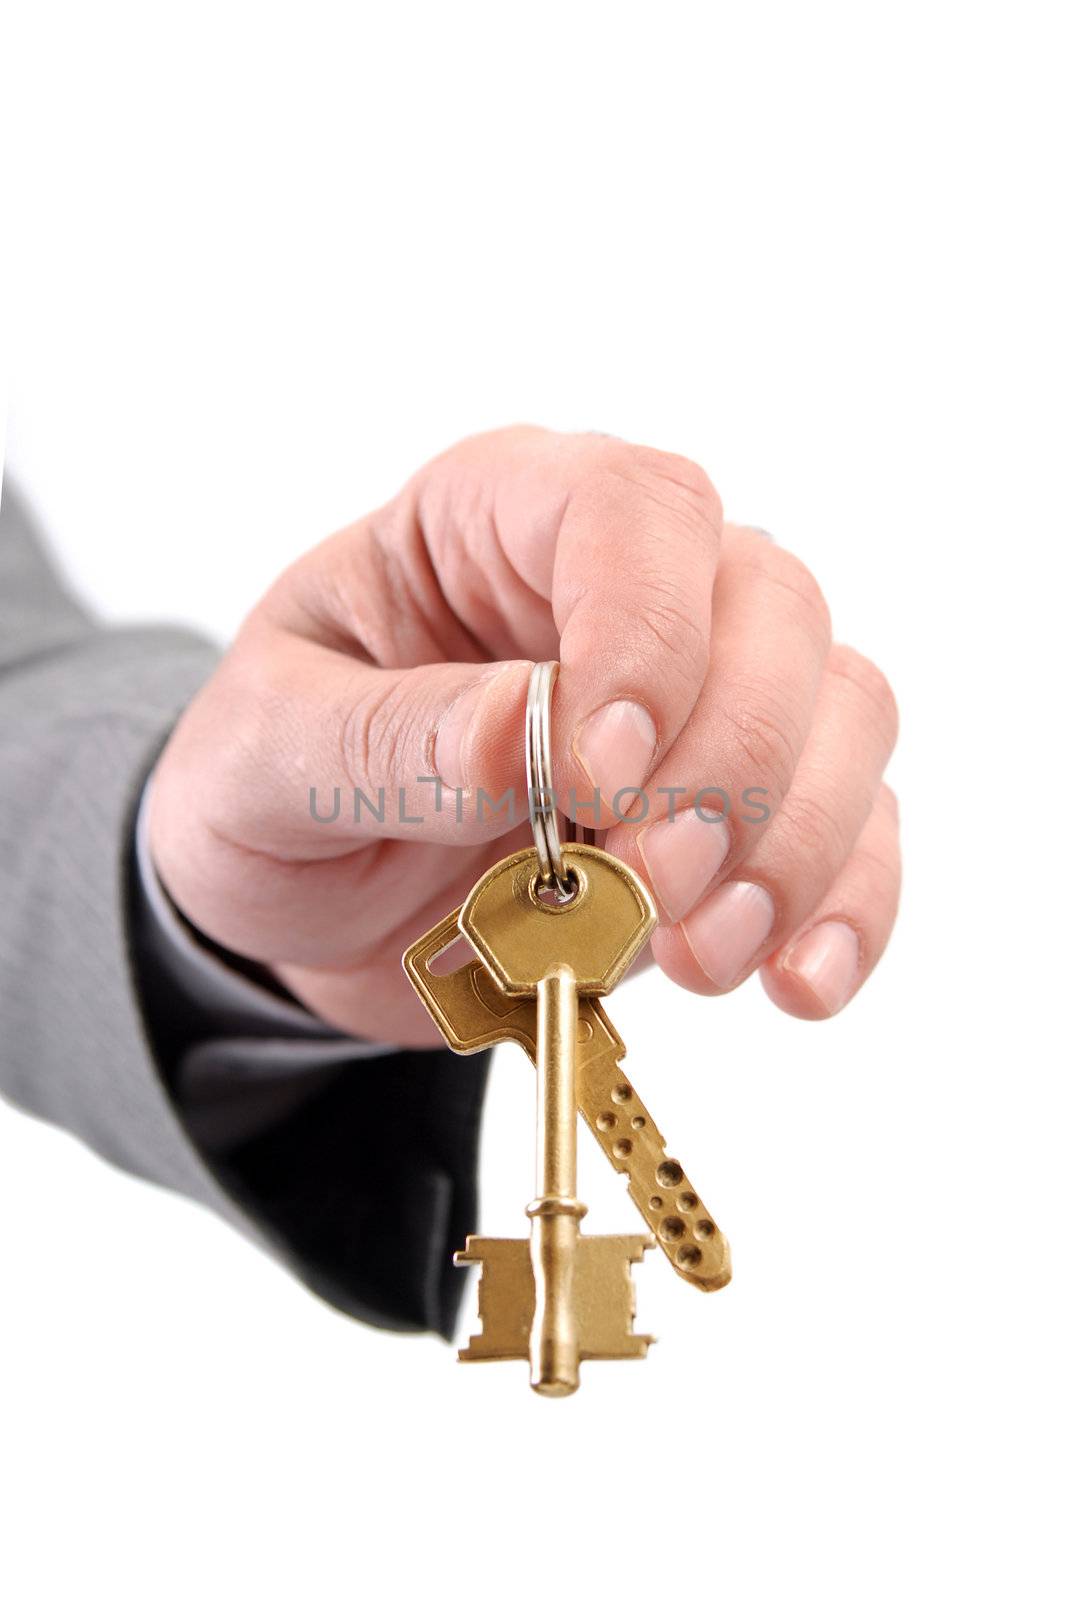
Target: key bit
x=473, y=1013
x=604, y=1297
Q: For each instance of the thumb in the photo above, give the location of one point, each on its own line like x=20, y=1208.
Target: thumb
x=299, y=750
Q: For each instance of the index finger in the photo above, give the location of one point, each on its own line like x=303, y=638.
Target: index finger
x=623, y=542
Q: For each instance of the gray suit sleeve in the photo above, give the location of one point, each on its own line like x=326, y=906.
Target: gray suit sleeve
x=104, y=1037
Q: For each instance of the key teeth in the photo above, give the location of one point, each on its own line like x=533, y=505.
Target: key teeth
x=606, y=1297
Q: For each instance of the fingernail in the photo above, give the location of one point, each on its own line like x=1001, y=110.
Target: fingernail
x=683, y=855
x=729, y=929
x=827, y=961
x=615, y=746
x=452, y=734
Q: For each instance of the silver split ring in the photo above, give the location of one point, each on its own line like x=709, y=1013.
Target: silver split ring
x=539, y=766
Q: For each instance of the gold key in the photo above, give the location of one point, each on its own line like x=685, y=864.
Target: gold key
x=473, y=1013
x=574, y=1301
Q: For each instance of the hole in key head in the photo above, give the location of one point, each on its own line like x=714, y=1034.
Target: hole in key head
x=547, y=895
x=451, y=958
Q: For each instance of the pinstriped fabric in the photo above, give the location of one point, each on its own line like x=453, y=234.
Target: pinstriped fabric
x=101, y=1038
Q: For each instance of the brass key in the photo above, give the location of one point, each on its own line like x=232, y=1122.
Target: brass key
x=581, y=1295
x=473, y=1013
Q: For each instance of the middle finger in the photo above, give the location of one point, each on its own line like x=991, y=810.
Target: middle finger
x=736, y=755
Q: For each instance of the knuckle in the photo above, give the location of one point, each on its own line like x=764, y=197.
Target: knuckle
x=682, y=475
x=375, y=731
x=766, y=737
x=677, y=633
x=879, y=870
x=816, y=831
x=872, y=684
x=792, y=575
x=674, y=485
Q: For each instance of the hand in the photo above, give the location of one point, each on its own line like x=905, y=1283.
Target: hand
x=696, y=656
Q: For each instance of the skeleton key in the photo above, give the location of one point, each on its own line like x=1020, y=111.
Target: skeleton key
x=473, y=1013
x=575, y=1300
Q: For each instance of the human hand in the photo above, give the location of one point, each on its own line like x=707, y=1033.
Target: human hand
x=394, y=659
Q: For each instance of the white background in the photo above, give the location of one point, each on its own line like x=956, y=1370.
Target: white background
x=262, y=263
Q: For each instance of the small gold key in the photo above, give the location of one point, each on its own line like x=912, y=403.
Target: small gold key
x=575, y=1301
x=473, y=1013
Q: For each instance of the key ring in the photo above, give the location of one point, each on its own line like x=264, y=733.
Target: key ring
x=542, y=805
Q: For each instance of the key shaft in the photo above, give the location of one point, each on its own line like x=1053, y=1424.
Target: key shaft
x=555, y=1212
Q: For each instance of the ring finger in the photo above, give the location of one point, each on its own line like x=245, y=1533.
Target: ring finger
x=801, y=851
x=832, y=955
